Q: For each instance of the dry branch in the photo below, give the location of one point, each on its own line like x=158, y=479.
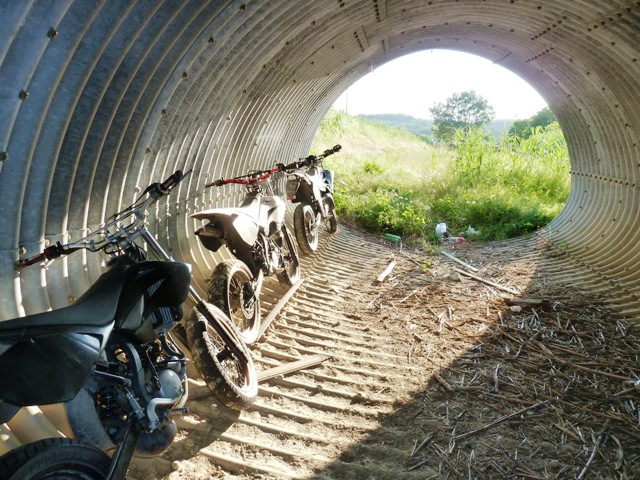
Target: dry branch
x=499, y=421
x=457, y=260
x=488, y=282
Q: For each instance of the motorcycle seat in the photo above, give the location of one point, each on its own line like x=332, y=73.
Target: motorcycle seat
x=95, y=308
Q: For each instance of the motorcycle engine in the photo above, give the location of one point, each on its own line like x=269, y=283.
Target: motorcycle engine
x=153, y=383
x=261, y=254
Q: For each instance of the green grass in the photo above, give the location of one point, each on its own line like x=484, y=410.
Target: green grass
x=389, y=180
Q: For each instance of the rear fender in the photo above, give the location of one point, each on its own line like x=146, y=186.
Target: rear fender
x=239, y=230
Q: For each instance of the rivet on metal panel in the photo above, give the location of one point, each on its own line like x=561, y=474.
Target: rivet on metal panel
x=137, y=189
x=52, y=33
x=158, y=219
x=167, y=215
x=185, y=75
x=211, y=40
x=243, y=7
x=23, y=95
x=22, y=251
x=72, y=299
x=4, y=156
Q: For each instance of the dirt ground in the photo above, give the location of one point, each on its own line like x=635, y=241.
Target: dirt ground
x=432, y=374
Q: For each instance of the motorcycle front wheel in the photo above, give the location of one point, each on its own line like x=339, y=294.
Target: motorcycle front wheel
x=290, y=274
x=231, y=290
x=222, y=357
x=55, y=458
x=306, y=228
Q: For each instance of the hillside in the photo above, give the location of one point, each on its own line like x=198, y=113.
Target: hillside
x=422, y=127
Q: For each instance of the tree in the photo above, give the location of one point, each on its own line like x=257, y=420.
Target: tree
x=523, y=128
x=464, y=111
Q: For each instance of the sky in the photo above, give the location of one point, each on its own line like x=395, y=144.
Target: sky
x=412, y=84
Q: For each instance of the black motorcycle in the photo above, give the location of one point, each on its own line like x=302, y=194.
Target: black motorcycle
x=312, y=189
x=111, y=359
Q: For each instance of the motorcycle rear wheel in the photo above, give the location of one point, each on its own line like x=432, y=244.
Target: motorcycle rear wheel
x=55, y=458
x=230, y=289
x=332, y=222
x=305, y=228
x=222, y=357
x=291, y=272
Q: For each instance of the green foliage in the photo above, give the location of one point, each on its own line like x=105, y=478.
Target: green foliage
x=524, y=128
x=371, y=166
x=461, y=111
x=388, y=180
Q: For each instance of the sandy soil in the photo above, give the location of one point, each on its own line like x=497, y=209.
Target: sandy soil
x=427, y=374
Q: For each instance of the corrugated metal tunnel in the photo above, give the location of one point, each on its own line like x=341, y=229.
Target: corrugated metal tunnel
x=99, y=99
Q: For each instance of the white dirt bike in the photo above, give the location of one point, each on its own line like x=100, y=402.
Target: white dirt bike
x=256, y=234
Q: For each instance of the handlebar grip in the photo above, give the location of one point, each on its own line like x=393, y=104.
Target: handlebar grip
x=216, y=183
x=337, y=148
x=25, y=262
x=49, y=253
x=172, y=181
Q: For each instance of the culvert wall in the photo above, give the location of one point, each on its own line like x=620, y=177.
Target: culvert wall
x=101, y=98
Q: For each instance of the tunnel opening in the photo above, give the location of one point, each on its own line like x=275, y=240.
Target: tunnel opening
x=473, y=167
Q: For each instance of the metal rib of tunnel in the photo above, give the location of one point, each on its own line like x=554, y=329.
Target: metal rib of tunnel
x=100, y=98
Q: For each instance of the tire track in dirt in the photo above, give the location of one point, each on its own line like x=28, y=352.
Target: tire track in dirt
x=303, y=423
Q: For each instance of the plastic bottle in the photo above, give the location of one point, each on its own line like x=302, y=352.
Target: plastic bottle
x=455, y=239
x=392, y=237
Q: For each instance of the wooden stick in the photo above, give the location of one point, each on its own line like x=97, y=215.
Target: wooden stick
x=279, y=306
x=410, y=258
x=457, y=260
x=499, y=421
x=488, y=282
x=386, y=272
x=198, y=390
x=442, y=382
x=291, y=367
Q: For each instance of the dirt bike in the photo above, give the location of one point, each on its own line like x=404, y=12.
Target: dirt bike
x=110, y=356
x=313, y=190
x=255, y=233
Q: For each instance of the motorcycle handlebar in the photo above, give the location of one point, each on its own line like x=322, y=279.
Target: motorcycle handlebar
x=245, y=179
x=155, y=191
x=311, y=159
